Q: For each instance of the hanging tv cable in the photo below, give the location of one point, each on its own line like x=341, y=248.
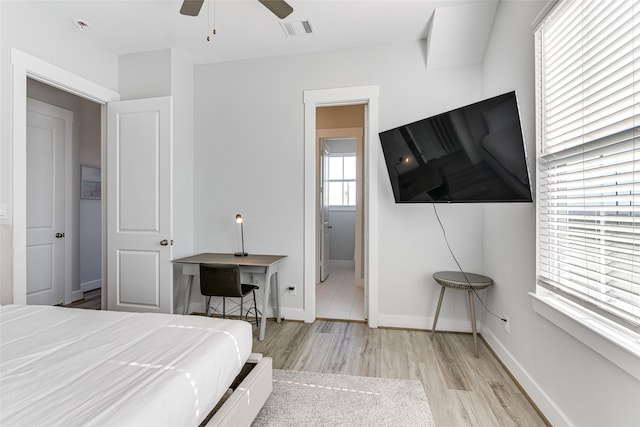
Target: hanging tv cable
x=444, y=233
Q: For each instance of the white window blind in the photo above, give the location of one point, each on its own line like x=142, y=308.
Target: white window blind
x=588, y=190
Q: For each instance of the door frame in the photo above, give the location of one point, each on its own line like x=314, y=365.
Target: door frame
x=367, y=95
x=23, y=66
x=322, y=215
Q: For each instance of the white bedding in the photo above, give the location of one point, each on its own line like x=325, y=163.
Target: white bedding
x=75, y=367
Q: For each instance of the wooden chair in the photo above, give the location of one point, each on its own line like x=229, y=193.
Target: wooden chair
x=223, y=280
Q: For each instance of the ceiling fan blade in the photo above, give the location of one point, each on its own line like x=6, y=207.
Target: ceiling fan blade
x=191, y=7
x=280, y=8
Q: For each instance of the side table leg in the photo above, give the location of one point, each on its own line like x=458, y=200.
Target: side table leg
x=435, y=319
x=473, y=322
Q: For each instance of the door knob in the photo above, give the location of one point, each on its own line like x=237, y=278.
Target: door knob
x=164, y=242
x=59, y=235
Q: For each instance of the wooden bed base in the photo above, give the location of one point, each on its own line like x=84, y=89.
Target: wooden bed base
x=251, y=389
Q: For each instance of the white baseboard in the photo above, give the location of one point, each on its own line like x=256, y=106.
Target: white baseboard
x=292, y=313
x=342, y=263
x=550, y=410
x=89, y=286
x=75, y=296
x=425, y=323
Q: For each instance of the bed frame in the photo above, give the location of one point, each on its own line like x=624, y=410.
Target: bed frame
x=249, y=392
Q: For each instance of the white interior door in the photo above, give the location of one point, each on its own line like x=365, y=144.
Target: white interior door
x=48, y=131
x=139, y=205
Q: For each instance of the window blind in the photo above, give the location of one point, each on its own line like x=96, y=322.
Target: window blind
x=588, y=190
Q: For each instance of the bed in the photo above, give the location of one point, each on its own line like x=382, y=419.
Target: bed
x=75, y=367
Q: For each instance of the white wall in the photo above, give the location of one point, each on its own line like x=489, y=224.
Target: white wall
x=249, y=147
x=90, y=118
x=342, y=235
x=572, y=384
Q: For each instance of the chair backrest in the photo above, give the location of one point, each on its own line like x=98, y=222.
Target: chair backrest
x=220, y=280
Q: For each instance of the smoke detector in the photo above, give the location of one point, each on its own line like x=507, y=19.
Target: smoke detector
x=297, y=28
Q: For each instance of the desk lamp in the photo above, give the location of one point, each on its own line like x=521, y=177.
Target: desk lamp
x=240, y=221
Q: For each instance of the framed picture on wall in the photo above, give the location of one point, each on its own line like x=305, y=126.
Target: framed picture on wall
x=90, y=182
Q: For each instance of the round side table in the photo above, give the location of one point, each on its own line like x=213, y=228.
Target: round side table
x=459, y=280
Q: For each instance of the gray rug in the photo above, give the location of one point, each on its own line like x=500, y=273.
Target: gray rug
x=314, y=399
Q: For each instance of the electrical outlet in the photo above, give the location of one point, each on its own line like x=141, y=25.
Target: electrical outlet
x=292, y=289
x=506, y=324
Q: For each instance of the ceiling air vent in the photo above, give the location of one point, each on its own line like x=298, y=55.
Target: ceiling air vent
x=297, y=28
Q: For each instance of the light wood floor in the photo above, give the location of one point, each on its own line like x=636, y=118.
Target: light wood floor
x=462, y=390
x=90, y=300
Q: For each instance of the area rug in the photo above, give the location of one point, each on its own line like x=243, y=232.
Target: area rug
x=315, y=399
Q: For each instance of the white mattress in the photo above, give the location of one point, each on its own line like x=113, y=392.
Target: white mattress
x=74, y=367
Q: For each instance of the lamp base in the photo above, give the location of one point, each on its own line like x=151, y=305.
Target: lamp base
x=240, y=254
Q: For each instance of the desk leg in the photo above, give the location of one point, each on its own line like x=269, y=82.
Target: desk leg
x=278, y=313
x=265, y=305
x=187, y=298
x=270, y=280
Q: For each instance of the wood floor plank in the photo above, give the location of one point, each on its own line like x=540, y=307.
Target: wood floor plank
x=462, y=390
x=479, y=411
x=447, y=409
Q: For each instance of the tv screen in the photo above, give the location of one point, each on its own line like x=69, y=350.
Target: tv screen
x=471, y=154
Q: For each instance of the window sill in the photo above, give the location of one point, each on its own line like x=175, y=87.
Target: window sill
x=606, y=338
x=338, y=208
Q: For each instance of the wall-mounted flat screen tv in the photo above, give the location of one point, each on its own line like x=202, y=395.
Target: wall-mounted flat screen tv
x=471, y=154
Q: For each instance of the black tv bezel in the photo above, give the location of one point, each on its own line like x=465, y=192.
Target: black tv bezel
x=530, y=199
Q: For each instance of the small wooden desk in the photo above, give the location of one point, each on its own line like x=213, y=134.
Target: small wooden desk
x=267, y=264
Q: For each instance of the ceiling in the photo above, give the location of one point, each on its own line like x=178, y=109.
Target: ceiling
x=246, y=29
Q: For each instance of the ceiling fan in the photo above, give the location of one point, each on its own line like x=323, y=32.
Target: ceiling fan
x=280, y=8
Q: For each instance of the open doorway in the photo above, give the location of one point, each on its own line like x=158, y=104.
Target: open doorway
x=72, y=208
x=368, y=96
x=26, y=66
x=340, y=284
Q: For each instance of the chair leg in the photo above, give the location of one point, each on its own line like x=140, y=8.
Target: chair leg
x=255, y=308
x=241, y=306
x=206, y=310
x=224, y=308
x=435, y=319
x=473, y=322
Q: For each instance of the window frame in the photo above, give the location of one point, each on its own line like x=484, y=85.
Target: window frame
x=618, y=344
x=343, y=181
